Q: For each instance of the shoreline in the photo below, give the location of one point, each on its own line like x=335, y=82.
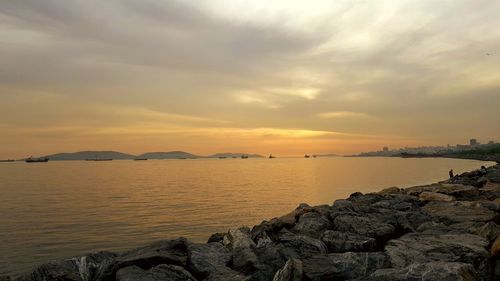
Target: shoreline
x=443, y=230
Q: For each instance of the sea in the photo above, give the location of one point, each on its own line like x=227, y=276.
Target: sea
x=62, y=209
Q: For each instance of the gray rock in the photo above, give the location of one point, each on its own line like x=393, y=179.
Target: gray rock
x=216, y=237
x=161, y=252
x=207, y=259
x=312, y=224
x=364, y=226
x=158, y=273
x=242, y=247
x=5, y=278
x=340, y=242
x=434, y=196
x=391, y=190
x=227, y=276
x=300, y=246
x=425, y=248
x=435, y=271
x=343, y=266
x=490, y=231
x=458, y=212
x=79, y=268
x=292, y=271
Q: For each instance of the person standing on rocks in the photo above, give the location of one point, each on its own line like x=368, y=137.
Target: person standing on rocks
x=451, y=173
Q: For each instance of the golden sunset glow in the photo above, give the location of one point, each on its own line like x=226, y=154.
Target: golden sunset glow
x=281, y=77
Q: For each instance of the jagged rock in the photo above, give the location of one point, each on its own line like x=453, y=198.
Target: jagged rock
x=340, y=242
x=435, y=271
x=495, y=248
x=83, y=268
x=458, y=191
x=364, y=226
x=424, y=248
x=343, y=266
x=162, y=252
x=242, y=246
x=299, y=246
x=490, y=231
x=227, y=276
x=457, y=212
x=216, y=237
x=391, y=190
x=158, y=273
x=207, y=259
x=292, y=271
x=5, y=278
x=312, y=224
x=434, y=196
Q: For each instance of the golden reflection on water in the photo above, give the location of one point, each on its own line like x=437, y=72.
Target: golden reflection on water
x=60, y=209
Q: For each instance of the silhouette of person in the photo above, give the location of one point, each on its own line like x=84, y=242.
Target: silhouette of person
x=451, y=173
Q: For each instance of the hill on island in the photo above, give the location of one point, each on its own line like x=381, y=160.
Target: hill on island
x=82, y=155
x=168, y=155
x=230, y=155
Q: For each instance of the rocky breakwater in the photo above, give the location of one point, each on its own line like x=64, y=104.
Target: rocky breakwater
x=443, y=231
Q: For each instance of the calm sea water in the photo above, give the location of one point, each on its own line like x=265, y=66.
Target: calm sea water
x=60, y=209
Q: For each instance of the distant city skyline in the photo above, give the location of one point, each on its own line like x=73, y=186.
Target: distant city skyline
x=281, y=77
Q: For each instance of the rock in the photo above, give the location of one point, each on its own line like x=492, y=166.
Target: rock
x=490, y=231
x=435, y=271
x=391, y=190
x=340, y=242
x=364, y=226
x=216, y=237
x=343, y=266
x=207, y=259
x=227, y=276
x=162, y=252
x=292, y=271
x=157, y=273
x=425, y=248
x=495, y=248
x=434, y=196
x=300, y=246
x=88, y=267
x=457, y=212
x=312, y=224
x=242, y=246
x=5, y=278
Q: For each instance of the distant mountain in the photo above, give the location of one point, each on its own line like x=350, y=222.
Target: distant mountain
x=230, y=155
x=327, y=155
x=82, y=155
x=168, y=155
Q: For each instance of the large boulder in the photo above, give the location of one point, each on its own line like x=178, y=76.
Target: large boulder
x=312, y=224
x=291, y=271
x=364, y=226
x=158, y=273
x=433, y=271
x=207, y=259
x=162, y=252
x=83, y=268
x=495, y=248
x=242, y=246
x=434, y=196
x=425, y=248
x=300, y=246
x=343, y=266
x=340, y=242
x=458, y=212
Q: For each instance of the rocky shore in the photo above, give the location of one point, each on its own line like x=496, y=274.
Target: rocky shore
x=444, y=231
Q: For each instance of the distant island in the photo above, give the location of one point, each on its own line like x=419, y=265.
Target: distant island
x=115, y=155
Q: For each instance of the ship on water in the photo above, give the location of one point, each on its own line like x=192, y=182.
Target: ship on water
x=244, y=156
x=36, y=160
x=271, y=156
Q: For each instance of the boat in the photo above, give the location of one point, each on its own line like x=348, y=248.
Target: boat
x=36, y=160
x=222, y=157
x=99, y=159
x=140, y=159
x=307, y=156
x=244, y=156
x=7, y=160
x=271, y=156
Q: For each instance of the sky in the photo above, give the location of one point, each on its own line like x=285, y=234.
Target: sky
x=285, y=77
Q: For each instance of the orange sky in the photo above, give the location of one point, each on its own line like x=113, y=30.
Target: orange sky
x=281, y=77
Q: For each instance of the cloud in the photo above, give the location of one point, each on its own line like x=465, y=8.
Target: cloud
x=342, y=114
